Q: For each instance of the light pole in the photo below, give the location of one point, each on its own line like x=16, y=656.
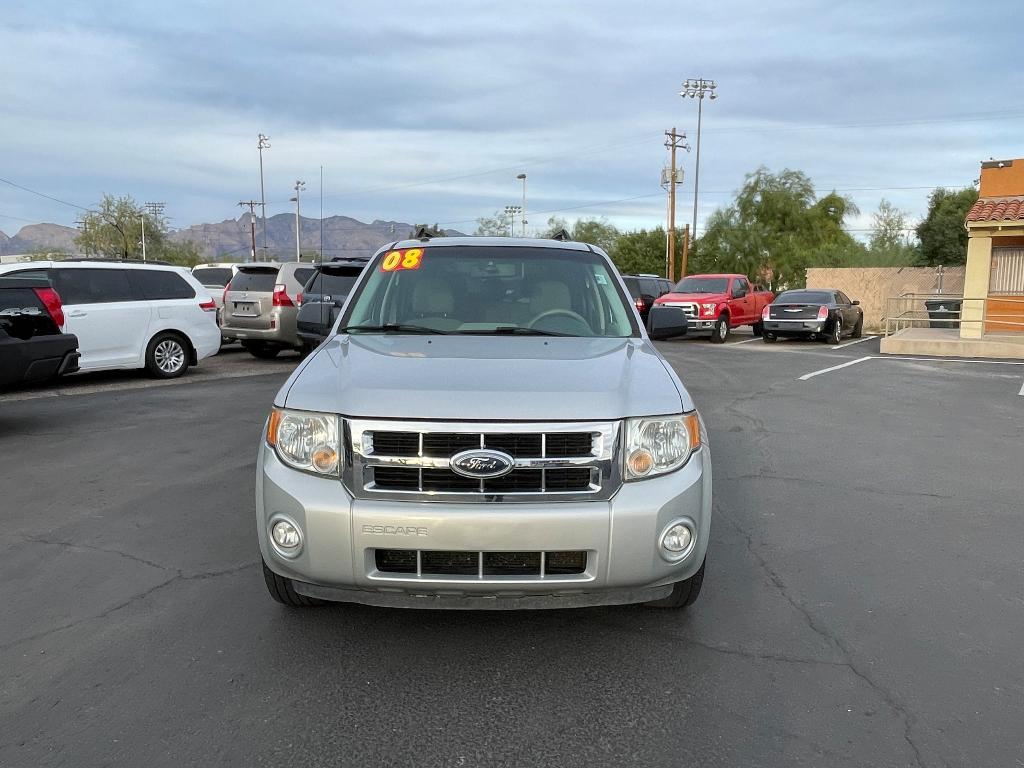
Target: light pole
x=511, y=211
x=299, y=186
x=522, y=178
x=698, y=88
x=155, y=210
x=264, y=143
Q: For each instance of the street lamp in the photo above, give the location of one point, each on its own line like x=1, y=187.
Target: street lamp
x=511, y=211
x=299, y=186
x=697, y=88
x=522, y=178
x=264, y=143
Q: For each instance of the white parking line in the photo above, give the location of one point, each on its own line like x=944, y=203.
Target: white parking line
x=855, y=341
x=1021, y=393
x=746, y=341
x=811, y=375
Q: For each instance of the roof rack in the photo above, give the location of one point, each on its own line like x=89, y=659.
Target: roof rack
x=109, y=260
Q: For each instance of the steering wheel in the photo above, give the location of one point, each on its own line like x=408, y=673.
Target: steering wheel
x=553, y=312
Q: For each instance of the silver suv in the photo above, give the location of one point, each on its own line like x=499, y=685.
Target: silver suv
x=260, y=305
x=489, y=426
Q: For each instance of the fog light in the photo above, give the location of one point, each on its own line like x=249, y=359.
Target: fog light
x=677, y=540
x=286, y=536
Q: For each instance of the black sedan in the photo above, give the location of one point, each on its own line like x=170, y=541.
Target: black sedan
x=825, y=314
x=323, y=297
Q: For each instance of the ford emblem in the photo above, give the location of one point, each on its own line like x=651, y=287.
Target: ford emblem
x=481, y=463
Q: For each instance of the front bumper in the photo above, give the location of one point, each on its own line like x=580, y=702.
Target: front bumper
x=340, y=535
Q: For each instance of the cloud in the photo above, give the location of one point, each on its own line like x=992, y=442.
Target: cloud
x=426, y=112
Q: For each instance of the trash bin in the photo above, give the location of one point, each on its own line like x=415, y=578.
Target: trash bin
x=943, y=313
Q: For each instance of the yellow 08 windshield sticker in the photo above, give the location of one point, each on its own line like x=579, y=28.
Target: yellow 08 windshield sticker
x=410, y=258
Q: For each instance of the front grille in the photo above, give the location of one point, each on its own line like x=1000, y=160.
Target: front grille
x=456, y=563
x=578, y=460
x=398, y=478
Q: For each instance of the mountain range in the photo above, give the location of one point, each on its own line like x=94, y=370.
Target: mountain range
x=231, y=239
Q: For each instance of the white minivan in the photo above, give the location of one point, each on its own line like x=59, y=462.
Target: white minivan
x=132, y=314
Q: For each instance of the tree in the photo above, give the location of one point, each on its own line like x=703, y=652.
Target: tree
x=493, y=226
x=555, y=225
x=889, y=245
x=641, y=251
x=774, y=229
x=942, y=233
x=183, y=254
x=596, y=232
x=114, y=229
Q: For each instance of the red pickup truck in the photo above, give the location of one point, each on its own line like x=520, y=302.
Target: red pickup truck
x=718, y=303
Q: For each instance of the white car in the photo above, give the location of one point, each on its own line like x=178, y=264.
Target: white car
x=131, y=314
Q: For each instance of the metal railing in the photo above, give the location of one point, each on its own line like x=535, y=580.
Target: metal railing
x=944, y=310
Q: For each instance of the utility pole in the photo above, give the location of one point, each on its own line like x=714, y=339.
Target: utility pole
x=522, y=177
x=321, y=214
x=252, y=222
x=698, y=88
x=673, y=141
x=299, y=186
x=264, y=143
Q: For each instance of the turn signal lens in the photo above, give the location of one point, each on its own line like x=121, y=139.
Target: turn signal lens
x=640, y=462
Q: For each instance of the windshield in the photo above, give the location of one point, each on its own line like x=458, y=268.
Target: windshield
x=702, y=285
x=492, y=289
x=804, y=297
x=218, y=276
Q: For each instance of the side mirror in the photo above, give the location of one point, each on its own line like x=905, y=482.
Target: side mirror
x=855, y=303
x=666, y=322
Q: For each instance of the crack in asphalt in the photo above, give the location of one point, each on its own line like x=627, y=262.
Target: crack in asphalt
x=830, y=484
x=833, y=640
x=178, y=577
x=119, y=553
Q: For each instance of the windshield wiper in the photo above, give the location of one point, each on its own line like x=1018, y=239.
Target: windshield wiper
x=512, y=330
x=391, y=328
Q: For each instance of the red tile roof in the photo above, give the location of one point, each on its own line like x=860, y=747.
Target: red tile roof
x=997, y=209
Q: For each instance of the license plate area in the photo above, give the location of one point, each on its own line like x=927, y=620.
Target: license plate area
x=245, y=309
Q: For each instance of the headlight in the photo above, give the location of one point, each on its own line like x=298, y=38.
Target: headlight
x=708, y=309
x=659, y=444
x=305, y=440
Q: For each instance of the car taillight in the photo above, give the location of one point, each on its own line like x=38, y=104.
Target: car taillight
x=280, y=297
x=51, y=300
x=224, y=296
x=208, y=306
x=298, y=298
x=823, y=313
x=766, y=312
x=640, y=303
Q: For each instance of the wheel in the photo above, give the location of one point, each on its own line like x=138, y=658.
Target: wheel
x=720, y=331
x=683, y=593
x=261, y=349
x=282, y=591
x=836, y=334
x=858, y=329
x=769, y=338
x=167, y=356
x=758, y=328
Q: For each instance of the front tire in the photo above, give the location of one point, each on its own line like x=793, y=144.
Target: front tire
x=261, y=349
x=683, y=593
x=167, y=356
x=720, y=331
x=282, y=591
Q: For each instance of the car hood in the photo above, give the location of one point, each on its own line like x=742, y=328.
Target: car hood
x=492, y=378
x=706, y=298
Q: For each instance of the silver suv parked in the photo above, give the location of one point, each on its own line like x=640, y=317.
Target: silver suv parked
x=489, y=427
x=260, y=306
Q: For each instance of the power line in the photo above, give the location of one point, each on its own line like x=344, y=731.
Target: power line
x=43, y=194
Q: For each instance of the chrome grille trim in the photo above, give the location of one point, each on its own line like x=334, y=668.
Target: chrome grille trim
x=603, y=460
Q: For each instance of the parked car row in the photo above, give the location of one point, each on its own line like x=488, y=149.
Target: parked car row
x=128, y=314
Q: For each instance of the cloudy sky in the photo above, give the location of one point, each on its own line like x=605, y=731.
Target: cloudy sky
x=427, y=111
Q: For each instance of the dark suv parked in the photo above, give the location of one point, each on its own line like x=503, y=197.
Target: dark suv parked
x=32, y=347
x=644, y=289
x=323, y=297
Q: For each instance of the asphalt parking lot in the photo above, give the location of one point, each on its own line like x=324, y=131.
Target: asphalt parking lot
x=863, y=604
